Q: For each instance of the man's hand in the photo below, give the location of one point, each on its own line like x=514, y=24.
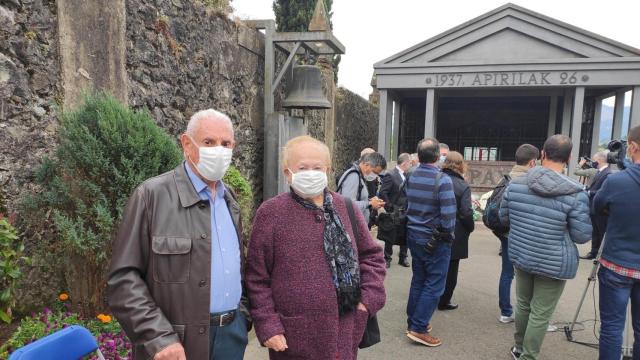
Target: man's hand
x=277, y=343
x=376, y=203
x=171, y=352
x=582, y=162
x=361, y=307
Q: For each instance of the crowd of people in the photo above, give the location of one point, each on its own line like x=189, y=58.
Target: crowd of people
x=184, y=283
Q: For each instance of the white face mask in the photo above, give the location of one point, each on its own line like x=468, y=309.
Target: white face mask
x=371, y=177
x=214, y=161
x=309, y=183
x=443, y=158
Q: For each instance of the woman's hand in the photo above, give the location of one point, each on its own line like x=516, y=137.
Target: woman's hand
x=277, y=343
x=361, y=307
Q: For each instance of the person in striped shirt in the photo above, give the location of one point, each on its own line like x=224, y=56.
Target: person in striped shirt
x=431, y=207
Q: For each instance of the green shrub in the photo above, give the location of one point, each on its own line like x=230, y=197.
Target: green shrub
x=105, y=150
x=234, y=179
x=11, y=249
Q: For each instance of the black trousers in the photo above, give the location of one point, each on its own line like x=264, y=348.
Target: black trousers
x=452, y=281
x=597, y=235
x=388, y=251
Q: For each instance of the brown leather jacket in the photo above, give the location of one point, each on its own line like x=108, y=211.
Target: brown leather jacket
x=159, y=280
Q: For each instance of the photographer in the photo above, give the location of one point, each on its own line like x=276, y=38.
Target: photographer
x=431, y=213
x=619, y=274
x=585, y=170
x=598, y=221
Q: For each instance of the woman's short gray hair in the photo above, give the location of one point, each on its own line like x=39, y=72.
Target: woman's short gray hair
x=195, y=119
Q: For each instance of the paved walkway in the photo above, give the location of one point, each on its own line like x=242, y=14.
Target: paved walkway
x=472, y=331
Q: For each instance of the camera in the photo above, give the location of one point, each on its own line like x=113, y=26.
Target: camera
x=617, y=153
x=438, y=236
x=589, y=164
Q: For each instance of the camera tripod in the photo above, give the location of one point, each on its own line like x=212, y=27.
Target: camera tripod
x=627, y=341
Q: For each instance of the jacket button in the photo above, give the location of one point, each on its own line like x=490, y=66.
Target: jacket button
x=202, y=330
x=202, y=283
x=203, y=236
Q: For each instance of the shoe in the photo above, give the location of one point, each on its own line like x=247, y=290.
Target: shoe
x=506, y=319
x=388, y=263
x=552, y=328
x=404, y=263
x=424, y=339
x=589, y=256
x=515, y=353
x=449, y=306
x=429, y=328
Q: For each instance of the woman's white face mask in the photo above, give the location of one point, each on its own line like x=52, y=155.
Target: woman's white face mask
x=214, y=161
x=308, y=183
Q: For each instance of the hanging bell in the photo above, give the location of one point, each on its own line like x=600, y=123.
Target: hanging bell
x=305, y=89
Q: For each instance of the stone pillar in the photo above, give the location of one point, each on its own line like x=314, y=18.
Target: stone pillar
x=430, y=114
x=618, y=112
x=576, y=128
x=566, y=112
x=595, y=137
x=395, y=138
x=384, y=124
x=634, y=117
x=553, y=115
x=92, y=48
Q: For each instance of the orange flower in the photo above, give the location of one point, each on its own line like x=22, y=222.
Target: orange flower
x=63, y=297
x=105, y=319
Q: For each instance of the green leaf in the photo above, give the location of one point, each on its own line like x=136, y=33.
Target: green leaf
x=5, y=317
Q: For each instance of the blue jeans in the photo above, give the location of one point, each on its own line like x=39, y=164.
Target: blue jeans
x=615, y=292
x=427, y=283
x=506, y=277
x=229, y=342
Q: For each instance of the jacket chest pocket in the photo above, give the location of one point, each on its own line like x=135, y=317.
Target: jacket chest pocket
x=171, y=259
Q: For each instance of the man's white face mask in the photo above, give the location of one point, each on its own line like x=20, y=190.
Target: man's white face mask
x=308, y=183
x=214, y=161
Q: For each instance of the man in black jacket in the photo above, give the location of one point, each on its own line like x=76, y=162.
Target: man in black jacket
x=597, y=220
x=390, y=192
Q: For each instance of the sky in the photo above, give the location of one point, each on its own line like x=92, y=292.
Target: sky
x=372, y=30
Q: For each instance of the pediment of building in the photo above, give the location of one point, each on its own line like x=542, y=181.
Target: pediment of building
x=511, y=33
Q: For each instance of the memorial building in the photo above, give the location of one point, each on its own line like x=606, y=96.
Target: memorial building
x=508, y=77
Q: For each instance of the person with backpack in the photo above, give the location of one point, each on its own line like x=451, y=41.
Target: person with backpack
x=526, y=156
x=548, y=214
x=352, y=183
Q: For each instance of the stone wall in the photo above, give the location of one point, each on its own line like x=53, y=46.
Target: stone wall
x=356, y=128
x=182, y=58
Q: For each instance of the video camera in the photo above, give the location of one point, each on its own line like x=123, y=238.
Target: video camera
x=617, y=153
x=438, y=237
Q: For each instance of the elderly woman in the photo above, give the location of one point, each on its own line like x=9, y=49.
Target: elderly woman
x=455, y=167
x=313, y=280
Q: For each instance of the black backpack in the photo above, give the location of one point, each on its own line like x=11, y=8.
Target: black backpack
x=340, y=181
x=491, y=216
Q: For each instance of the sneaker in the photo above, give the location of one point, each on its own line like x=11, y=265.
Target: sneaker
x=506, y=319
x=515, y=353
x=424, y=339
x=429, y=328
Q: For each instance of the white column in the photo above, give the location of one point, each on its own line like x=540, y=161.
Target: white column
x=618, y=111
x=634, y=117
x=576, y=120
x=553, y=112
x=384, y=125
x=566, y=112
x=430, y=114
x=395, y=138
x=595, y=137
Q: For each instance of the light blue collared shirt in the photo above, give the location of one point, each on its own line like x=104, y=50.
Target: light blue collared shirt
x=226, y=286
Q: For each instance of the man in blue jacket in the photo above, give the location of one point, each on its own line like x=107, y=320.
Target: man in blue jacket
x=548, y=213
x=619, y=273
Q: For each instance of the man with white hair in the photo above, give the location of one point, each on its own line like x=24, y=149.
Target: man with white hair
x=175, y=282
x=598, y=221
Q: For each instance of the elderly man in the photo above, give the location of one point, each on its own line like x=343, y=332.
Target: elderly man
x=353, y=183
x=175, y=283
x=598, y=221
x=444, y=150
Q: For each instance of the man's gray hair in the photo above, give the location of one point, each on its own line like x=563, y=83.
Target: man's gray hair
x=404, y=157
x=444, y=146
x=374, y=159
x=601, y=155
x=194, y=121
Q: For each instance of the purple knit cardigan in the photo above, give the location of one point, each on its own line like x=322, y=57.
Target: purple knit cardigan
x=290, y=285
